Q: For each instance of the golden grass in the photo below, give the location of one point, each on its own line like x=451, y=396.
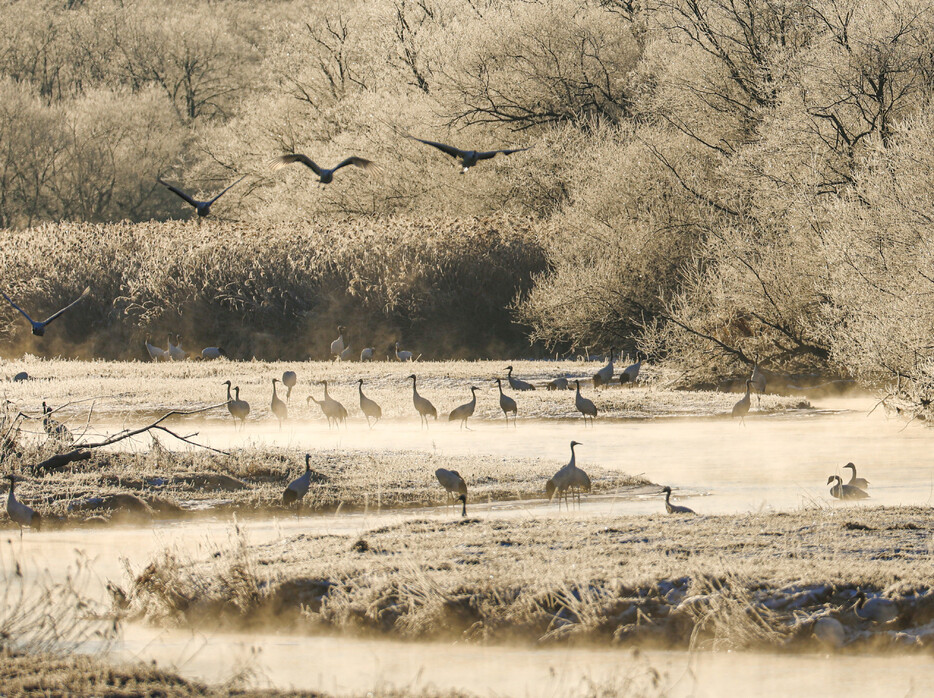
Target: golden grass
x=135, y=391
x=729, y=581
x=252, y=481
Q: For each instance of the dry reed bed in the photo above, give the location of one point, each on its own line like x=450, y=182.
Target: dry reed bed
x=747, y=581
x=136, y=391
x=273, y=291
x=128, y=487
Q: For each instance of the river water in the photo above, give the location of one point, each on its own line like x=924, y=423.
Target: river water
x=715, y=465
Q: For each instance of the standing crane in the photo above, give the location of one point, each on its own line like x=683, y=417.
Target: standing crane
x=277, y=406
x=338, y=345
x=367, y=354
x=507, y=404
x=584, y=406
x=403, y=355
x=156, y=353
x=369, y=408
x=465, y=411
x=455, y=487
x=631, y=373
x=559, y=384
x=332, y=409
x=424, y=407
x=176, y=353
x=19, y=512
x=674, y=508
x=741, y=408
x=239, y=409
x=605, y=374
x=298, y=488
x=570, y=478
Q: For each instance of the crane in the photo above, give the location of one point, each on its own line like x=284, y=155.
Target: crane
x=507, y=404
x=454, y=485
x=424, y=407
x=38, y=328
x=584, y=406
x=369, y=408
x=465, y=411
x=468, y=158
x=674, y=508
x=570, y=478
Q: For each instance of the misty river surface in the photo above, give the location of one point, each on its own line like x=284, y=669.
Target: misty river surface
x=770, y=463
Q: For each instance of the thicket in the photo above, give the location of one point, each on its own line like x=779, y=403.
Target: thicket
x=716, y=180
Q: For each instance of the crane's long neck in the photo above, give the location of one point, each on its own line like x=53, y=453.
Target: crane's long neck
x=325, y=390
x=499, y=384
x=668, y=498
x=274, y=390
x=473, y=397
x=360, y=388
x=11, y=498
x=237, y=392
x=572, y=464
x=307, y=466
x=228, y=392
x=464, y=506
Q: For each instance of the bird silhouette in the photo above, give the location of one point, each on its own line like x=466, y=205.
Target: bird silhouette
x=239, y=409
x=741, y=408
x=326, y=176
x=289, y=379
x=19, y=512
x=584, y=406
x=202, y=207
x=517, y=384
x=631, y=372
x=468, y=158
x=277, y=406
x=605, y=374
x=507, y=404
x=860, y=482
x=465, y=411
x=298, y=488
x=674, y=508
x=455, y=486
x=424, y=407
x=570, y=478
x=369, y=408
x=841, y=491
x=38, y=328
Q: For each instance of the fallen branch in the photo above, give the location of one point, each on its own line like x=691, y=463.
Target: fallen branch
x=81, y=452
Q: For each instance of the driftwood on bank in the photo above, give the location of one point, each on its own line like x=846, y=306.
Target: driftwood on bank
x=82, y=452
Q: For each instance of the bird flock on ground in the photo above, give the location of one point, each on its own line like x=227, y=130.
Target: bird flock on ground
x=566, y=485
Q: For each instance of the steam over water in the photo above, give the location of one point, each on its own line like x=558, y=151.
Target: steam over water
x=716, y=466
